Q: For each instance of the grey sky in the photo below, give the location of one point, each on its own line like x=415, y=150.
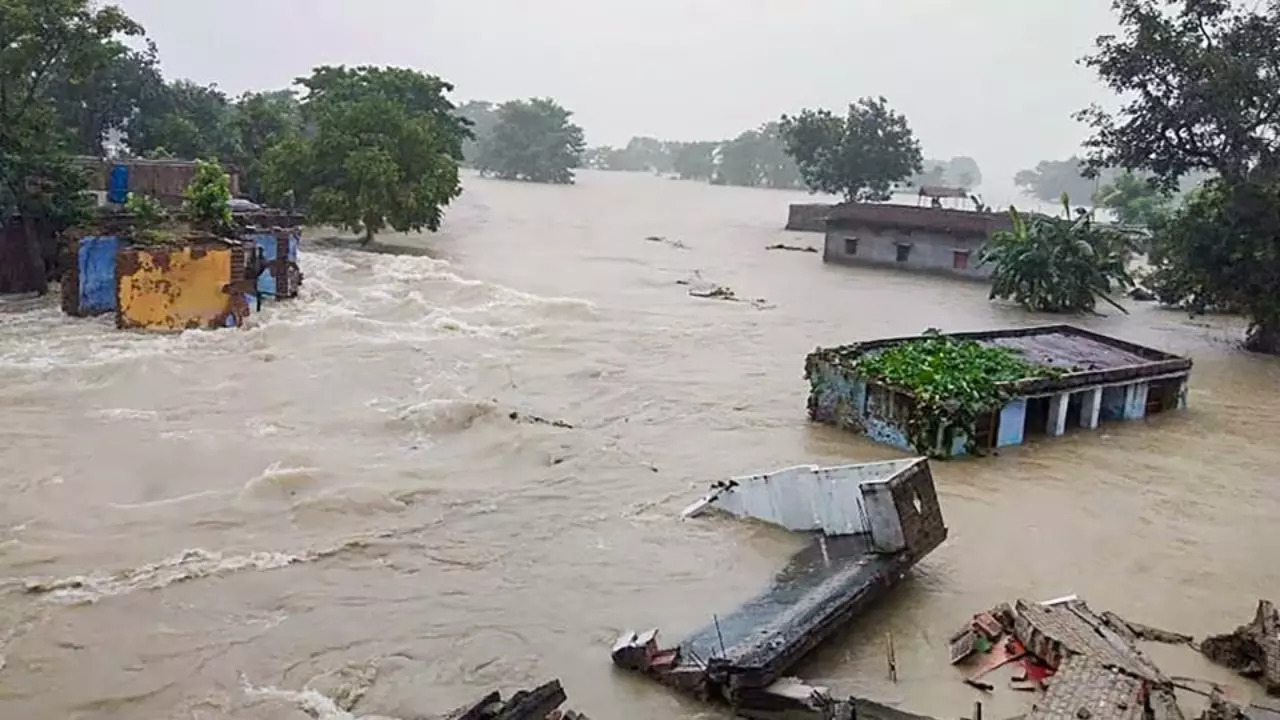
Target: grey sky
x=995, y=79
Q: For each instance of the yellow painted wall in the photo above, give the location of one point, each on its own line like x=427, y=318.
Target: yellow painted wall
x=174, y=288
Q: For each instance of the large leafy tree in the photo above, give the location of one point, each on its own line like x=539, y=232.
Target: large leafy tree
x=533, y=140
x=1058, y=265
x=381, y=150
x=108, y=98
x=482, y=118
x=185, y=120
x=260, y=121
x=1134, y=200
x=1202, y=87
x=1050, y=179
x=44, y=43
x=859, y=156
x=758, y=158
x=694, y=160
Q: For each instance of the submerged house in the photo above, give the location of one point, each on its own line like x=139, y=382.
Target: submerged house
x=913, y=238
x=184, y=279
x=1044, y=381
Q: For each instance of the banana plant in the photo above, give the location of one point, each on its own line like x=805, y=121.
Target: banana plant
x=1057, y=264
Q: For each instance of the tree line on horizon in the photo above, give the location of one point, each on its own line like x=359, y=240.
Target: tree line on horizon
x=755, y=158
x=369, y=148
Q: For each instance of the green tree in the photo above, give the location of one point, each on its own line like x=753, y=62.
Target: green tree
x=533, y=140
x=207, y=198
x=859, y=156
x=694, y=160
x=379, y=151
x=108, y=97
x=1134, y=200
x=1201, y=82
x=45, y=43
x=1058, y=265
x=187, y=120
x=1050, y=179
x=421, y=95
x=261, y=121
x=758, y=158
x=482, y=118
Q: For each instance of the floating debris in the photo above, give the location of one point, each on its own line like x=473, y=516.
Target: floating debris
x=536, y=420
x=673, y=243
x=541, y=703
x=793, y=248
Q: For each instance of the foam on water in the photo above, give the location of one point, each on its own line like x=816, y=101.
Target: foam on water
x=366, y=298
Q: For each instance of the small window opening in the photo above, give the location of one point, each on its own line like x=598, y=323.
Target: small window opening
x=904, y=252
x=851, y=246
x=960, y=259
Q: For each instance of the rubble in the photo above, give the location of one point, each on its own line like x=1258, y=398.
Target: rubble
x=541, y=703
x=1252, y=650
x=1090, y=667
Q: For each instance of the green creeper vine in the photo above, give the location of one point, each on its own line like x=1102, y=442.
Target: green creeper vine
x=952, y=382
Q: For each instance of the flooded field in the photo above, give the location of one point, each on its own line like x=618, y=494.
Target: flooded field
x=258, y=524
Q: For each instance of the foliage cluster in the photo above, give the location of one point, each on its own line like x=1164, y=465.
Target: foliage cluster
x=148, y=216
x=382, y=150
x=533, y=140
x=1057, y=264
x=1200, y=82
x=207, y=198
x=951, y=381
x=860, y=156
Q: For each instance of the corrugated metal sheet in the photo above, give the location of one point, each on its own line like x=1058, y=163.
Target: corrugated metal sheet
x=96, y=274
x=807, y=497
x=178, y=288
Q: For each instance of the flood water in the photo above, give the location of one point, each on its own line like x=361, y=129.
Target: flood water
x=253, y=524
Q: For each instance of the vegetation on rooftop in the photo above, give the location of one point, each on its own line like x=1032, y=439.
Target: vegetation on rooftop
x=952, y=382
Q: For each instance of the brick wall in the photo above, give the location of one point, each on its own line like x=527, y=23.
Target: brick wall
x=916, y=500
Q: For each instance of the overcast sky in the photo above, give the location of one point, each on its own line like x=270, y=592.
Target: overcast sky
x=994, y=79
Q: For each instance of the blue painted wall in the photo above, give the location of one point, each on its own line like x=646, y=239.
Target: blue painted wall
x=1013, y=418
x=884, y=432
x=1135, y=401
x=97, y=266
x=1113, y=403
x=269, y=246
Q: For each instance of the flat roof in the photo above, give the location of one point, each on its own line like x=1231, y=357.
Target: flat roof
x=1086, y=357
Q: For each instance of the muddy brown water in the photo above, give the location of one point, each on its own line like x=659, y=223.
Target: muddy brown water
x=253, y=524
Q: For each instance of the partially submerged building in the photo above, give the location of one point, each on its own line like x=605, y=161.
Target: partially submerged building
x=869, y=524
x=1077, y=379
x=188, y=280
x=912, y=238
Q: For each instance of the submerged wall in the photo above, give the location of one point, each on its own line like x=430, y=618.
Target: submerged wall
x=808, y=217
x=280, y=277
x=178, y=288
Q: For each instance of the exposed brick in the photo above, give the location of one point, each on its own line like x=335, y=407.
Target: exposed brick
x=1054, y=632
x=1084, y=689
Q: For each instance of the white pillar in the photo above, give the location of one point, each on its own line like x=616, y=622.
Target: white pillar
x=1091, y=408
x=1058, y=414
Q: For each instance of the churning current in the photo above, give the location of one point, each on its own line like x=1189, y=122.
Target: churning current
x=334, y=509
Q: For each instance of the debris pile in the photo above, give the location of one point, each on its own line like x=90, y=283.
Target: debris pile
x=1088, y=665
x=540, y=703
x=1252, y=650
